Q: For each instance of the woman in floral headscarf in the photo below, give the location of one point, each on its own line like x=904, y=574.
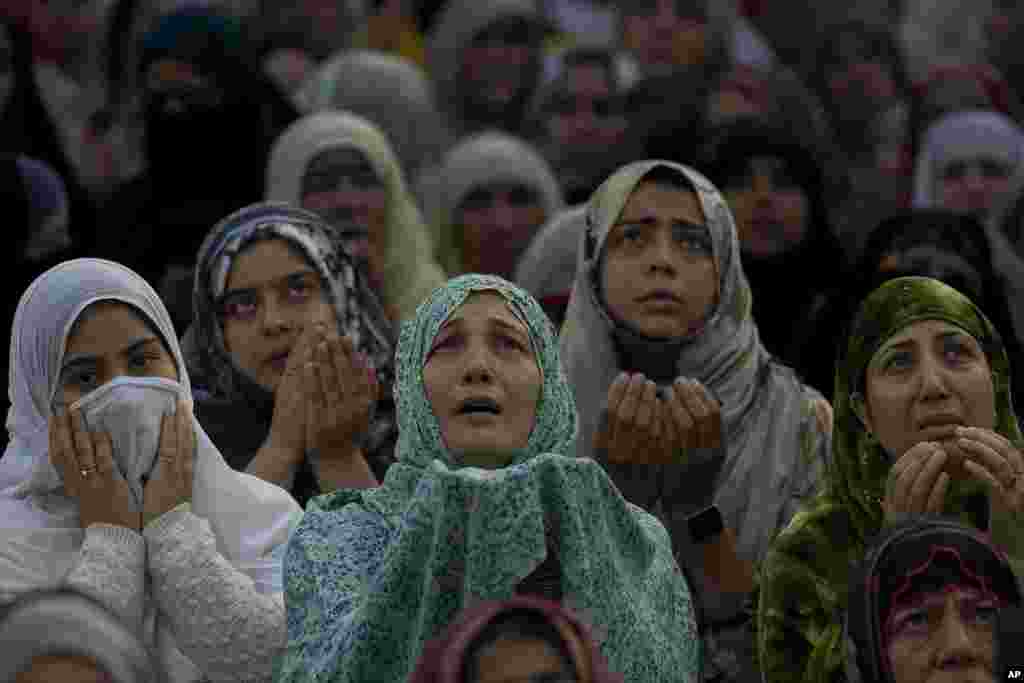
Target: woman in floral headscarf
x=485, y=501
x=922, y=398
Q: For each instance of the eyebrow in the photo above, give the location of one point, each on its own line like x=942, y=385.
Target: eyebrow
x=650, y=220
x=230, y=293
x=495, y=321
x=73, y=359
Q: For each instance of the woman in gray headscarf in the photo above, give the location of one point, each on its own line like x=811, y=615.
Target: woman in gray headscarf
x=479, y=87
x=392, y=92
x=661, y=313
x=63, y=635
x=491, y=189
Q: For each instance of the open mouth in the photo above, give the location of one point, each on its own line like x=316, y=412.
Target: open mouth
x=479, y=406
x=279, y=360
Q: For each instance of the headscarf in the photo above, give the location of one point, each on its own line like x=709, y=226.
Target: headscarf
x=62, y=623
x=775, y=443
x=232, y=399
x=453, y=30
x=250, y=518
x=410, y=273
x=444, y=658
x=373, y=575
x=393, y=92
x=965, y=135
x=477, y=161
x=817, y=256
x=927, y=554
x=806, y=565
x=547, y=269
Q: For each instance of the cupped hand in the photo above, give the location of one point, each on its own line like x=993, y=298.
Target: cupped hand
x=171, y=483
x=632, y=430
x=917, y=483
x=693, y=417
x=288, y=425
x=85, y=462
x=992, y=459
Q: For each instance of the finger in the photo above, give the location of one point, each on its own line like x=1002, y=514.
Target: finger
x=713, y=420
x=329, y=382
x=186, y=447
x=904, y=482
x=982, y=474
x=997, y=443
x=645, y=405
x=926, y=479
x=83, y=443
x=681, y=416
x=986, y=457
x=903, y=462
x=937, y=499
x=698, y=411
x=625, y=417
x=61, y=453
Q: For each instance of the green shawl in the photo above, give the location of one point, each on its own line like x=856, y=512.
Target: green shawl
x=372, y=575
x=806, y=572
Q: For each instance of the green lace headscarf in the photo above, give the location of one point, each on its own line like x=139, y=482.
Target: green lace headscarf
x=371, y=576
x=806, y=573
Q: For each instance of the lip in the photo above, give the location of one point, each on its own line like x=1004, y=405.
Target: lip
x=479, y=413
x=660, y=296
x=278, y=360
x=937, y=421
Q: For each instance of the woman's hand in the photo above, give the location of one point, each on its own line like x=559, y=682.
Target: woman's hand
x=288, y=425
x=917, y=483
x=341, y=393
x=633, y=428
x=171, y=484
x=693, y=418
x=85, y=462
x=991, y=458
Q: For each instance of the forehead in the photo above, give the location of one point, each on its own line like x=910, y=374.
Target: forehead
x=481, y=307
x=264, y=261
x=925, y=330
x=662, y=199
x=338, y=158
x=104, y=326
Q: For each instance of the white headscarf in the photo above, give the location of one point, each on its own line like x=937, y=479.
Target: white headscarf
x=410, y=272
x=548, y=266
x=251, y=519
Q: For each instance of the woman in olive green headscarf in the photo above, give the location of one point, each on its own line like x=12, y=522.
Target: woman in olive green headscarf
x=924, y=424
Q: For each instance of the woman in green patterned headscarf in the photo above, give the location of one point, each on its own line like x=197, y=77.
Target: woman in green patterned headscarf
x=486, y=500
x=921, y=359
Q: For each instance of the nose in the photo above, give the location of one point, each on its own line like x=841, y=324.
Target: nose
x=662, y=253
x=955, y=648
x=933, y=380
x=274, y=319
x=477, y=369
x=665, y=20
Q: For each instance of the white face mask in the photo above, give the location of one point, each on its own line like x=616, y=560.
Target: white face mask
x=130, y=410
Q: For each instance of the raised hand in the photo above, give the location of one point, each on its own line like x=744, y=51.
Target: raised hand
x=693, y=418
x=632, y=428
x=917, y=483
x=171, y=483
x=341, y=393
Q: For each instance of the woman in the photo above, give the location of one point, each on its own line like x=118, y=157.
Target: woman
x=524, y=637
x=64, y=636
x=119, y=494
x=342, y=167
x=485, y=501
x=678, y=398
x=486, y=200
x=776, y=191
x=929, y=600
x=924, y=381
x=390, y=91
x=249, y=345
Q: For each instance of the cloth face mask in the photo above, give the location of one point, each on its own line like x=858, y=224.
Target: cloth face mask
x=131, y=410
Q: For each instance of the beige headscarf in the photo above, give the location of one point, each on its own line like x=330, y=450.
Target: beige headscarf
x=476, y=161
x=391, y=91
x=410, y=272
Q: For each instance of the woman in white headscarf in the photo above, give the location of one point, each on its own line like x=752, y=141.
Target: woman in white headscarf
x=970, y=162
x=491, y=189
x=392, y=92
x=368, y=200
x=112, y=489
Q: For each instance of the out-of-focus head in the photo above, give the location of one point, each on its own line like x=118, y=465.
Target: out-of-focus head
x=667, y=36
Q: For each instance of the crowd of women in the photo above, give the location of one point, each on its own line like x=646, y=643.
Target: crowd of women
x=507, y=340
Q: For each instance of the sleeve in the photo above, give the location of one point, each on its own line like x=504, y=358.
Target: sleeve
x=815, y=449
x=220, y=621
x=111, y=570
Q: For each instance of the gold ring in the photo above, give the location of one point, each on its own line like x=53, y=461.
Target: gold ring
x=85, y=471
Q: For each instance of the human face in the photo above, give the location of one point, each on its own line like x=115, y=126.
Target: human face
x=973, y=185
x=583, y=116
x=521, y=660
x=769, y=206
x=495, y=66
x=925, y=378
x=341, y=185
x=483, y=352
x=666, y=35
x=272, y=294
x=63, y=668
x=944, y=636
x=497, y=222
x=110, y=340
x=659, y=270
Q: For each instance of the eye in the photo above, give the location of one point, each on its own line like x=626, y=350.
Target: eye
x=239, y=307
x=955, y=171
x=992, y=169
x=899, y=360
x=449, y=341
x=300, y=289
x=698, y=242
x=913, y=621
x=508, y=341
x=632, y=234
x=81, y=377
x=986, y=613
x=141, y=361
x=956, y=351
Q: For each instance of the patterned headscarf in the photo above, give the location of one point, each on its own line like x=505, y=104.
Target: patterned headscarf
x=372, y=575
x=359, y=312
x=809, y=563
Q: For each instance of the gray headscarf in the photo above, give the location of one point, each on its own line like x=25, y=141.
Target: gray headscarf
x=63, y=623
x=547, y=269
x=776, y=432
x=391, y=91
